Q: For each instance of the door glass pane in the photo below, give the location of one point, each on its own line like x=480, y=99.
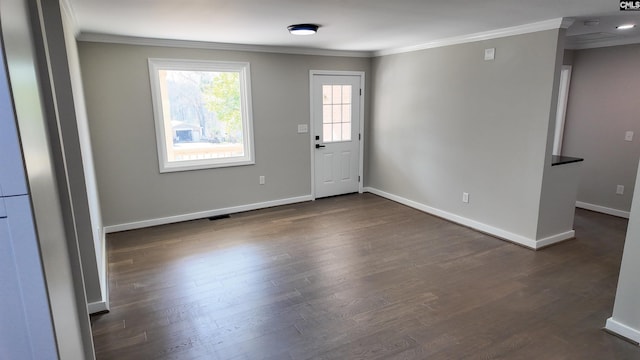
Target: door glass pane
x=346, y=131
x=326, y=114
x=327, y=133
x=337, y=132
x=337, y=94
x=326, y=94
x=346, y=113
x=336, y=113
x=346, y=94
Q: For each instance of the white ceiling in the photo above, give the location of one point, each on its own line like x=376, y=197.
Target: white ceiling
x=595, y=31
x=351, y=25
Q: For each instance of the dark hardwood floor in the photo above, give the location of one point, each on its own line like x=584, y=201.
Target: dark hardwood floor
x=358, y=277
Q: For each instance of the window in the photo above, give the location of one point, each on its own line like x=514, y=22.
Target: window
x=202, y=113
x=336, y=113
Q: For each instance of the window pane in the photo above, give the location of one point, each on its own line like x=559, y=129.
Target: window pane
x=326, y=94
x=346, y=113
x=337, y=94
x=204, y=114
x=337, y=114
x=327, y=134
x=327, y=114
x=346, y=94
x=346, y=132
x=337, y=132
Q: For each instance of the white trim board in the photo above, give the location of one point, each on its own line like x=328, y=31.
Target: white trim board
x=554, y=239
x=623, y=330
x=104, y=280
x=103, y=304
x=476, y=225
x=98, y=306
x=67, y=8
x=142, y=41
x=602, y=209
x=204, y=214
x=559, y=23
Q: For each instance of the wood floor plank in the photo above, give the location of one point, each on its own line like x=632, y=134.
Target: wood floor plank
x=357, y=277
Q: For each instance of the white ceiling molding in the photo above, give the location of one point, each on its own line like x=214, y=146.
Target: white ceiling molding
x=559, y=23
x=128, y=40
x=566, y=22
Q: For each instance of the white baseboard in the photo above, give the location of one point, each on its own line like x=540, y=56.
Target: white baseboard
x=104, y=285
x=603, y=209
x=491, y=230
x=103, y=304
x=204, y=214
x=98, y=306
x=555, y=238
x=623, y=330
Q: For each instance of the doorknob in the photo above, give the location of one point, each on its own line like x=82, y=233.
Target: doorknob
x=318, y=146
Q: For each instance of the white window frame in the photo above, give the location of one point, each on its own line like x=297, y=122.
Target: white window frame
x=243, y=69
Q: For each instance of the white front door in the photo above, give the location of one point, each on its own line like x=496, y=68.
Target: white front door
x=336, y=133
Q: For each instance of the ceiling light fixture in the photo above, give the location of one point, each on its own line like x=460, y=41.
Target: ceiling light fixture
x=303, y=29
x=625, y=27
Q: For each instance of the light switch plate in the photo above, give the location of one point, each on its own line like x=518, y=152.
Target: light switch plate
x=628, y=136
x=303, y=128
x=490, y=54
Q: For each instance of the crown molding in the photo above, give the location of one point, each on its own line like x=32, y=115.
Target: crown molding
x=559, y=23
x=130, y=40
x=566, y=22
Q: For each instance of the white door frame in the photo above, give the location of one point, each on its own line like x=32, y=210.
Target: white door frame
x=312, y=121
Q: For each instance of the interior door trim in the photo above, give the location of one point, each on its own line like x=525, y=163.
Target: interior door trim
x=361, y=74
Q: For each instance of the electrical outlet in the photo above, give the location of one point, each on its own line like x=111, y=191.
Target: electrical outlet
x=620, y=189
x=628, y=136
x=465, y=197
x=261, y=179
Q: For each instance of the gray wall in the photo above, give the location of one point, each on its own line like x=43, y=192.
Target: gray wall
x=626, y=317
x=603, y=105
x=131, y=189
x=444, y=121
x=568, y=57
x=559, y=183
